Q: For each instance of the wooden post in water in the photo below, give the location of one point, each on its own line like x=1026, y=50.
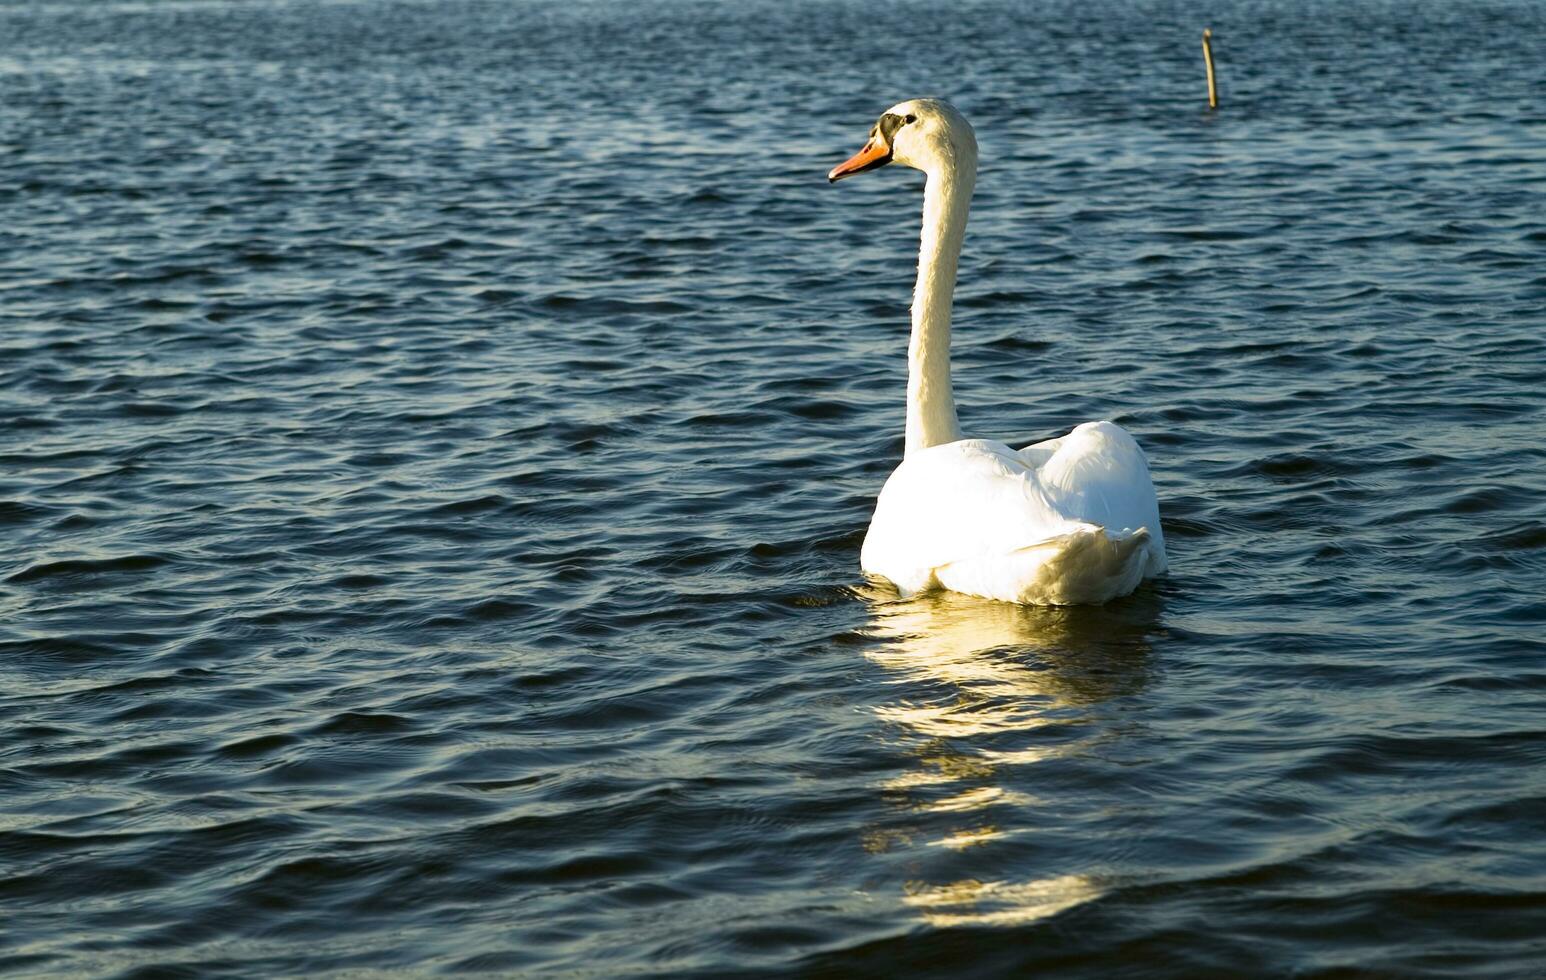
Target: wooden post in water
x=1207, y=57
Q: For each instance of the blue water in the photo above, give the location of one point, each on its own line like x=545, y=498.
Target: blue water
x=438, y=437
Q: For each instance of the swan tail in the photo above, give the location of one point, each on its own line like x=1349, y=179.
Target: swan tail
x=1085, y=566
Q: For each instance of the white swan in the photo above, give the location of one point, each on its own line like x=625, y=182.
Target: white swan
x=1070, y=520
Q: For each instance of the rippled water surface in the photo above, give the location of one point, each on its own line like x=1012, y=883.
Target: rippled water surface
x=438, y=439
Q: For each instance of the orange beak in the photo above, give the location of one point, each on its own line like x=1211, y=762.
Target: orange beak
x=876, y=153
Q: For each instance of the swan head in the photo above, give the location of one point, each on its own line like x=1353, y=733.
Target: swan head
x=925, y=134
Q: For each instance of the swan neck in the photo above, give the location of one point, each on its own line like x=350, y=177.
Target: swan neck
x=931, y=407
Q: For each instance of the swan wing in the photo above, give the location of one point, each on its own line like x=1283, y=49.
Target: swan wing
x=1069, y=520
x=954, y=502
x=1098, y=475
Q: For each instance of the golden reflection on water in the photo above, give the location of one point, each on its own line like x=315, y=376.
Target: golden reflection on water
x=999, y=903
x=982, y=678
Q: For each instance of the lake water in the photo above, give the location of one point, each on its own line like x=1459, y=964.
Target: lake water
x=438, y=439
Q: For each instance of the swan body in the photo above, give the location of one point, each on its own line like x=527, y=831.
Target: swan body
x=1067, y=521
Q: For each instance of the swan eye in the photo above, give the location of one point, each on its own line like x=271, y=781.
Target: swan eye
x=910, y=119
x=888, y=126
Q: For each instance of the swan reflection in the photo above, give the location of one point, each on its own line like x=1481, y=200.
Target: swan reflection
x=988, y=690
x=999, y=903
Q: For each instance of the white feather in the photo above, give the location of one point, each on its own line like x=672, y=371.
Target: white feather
x=1073, y=520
